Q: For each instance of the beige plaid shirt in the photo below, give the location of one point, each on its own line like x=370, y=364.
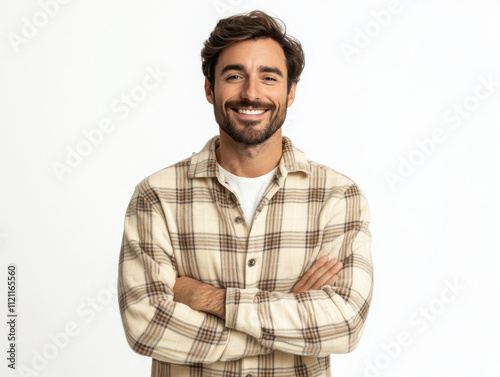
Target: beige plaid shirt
x=185, y=221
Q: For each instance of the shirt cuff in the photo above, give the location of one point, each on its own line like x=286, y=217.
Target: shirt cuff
x=232, y=301
x=242, y=311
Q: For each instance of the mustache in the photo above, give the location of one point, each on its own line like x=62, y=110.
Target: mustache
x=248, y=103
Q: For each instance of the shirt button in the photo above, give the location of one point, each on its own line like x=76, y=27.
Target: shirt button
x=238, y=220
x=232, y=198
x=251, y=262
x=249, y=375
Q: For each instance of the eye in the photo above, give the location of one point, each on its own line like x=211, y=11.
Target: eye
x=233, y=77
x=270, y=79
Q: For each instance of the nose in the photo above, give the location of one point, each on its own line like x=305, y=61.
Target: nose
x=251, y=89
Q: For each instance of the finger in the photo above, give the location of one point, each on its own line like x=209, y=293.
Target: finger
x=322, y=280
x=314, y=268
x=337, y=267
x=297, y=289
x=318, y=275
x=332, y=280
x=328, y=275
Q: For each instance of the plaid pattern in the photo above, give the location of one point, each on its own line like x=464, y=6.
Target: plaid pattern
x=185, y=221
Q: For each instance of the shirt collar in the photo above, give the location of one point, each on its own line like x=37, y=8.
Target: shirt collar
x=204, y=163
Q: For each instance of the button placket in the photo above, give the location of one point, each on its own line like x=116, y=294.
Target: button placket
x=232, y=198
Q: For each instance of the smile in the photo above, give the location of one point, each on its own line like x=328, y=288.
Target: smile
x=251, y=112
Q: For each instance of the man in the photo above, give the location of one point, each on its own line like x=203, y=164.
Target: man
x=246, y=259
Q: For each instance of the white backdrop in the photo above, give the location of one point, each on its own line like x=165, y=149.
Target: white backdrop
x=401, y=96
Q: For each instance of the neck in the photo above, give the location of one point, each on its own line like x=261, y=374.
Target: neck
x=249, y=160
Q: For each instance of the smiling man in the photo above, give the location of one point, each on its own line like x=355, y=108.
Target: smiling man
x=246, y=259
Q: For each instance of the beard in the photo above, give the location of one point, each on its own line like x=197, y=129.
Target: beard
x=249, y=134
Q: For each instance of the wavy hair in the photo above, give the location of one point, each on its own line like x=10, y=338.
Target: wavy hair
x=253, y=25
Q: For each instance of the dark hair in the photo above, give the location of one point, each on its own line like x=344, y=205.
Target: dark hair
x=254, y=25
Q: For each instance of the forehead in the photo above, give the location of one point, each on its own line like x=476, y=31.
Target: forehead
x=252, y=54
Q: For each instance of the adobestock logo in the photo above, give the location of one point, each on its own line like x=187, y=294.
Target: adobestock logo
x=123, y=107
x=454, y=117
x=224, y=7
x=372, y=29
x=32, y=25
x=87, y=311
x=420, y=320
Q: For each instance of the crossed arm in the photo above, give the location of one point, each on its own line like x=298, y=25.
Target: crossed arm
x=206, y=298
x=316, y=318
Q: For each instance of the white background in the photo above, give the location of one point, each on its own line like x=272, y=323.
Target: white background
x=360, y=113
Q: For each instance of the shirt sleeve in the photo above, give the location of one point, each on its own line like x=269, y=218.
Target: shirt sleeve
x=316, y=322
x=154, y=324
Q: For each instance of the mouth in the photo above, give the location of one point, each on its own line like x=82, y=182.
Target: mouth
x=246, y=113
x=250, y=112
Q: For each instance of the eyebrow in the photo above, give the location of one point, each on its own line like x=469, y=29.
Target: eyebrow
x=271, y=70
x=240, y=67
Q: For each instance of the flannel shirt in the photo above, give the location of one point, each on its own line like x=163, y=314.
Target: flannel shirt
x=185, y=220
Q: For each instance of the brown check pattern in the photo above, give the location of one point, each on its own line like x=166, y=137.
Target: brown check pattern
x=185, y=221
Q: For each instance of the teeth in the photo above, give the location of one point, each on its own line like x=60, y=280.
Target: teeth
x=250, y=112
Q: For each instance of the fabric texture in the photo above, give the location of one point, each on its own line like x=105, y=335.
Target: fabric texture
x=185, y=220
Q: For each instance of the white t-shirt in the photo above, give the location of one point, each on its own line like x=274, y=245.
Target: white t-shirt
x=248, y=190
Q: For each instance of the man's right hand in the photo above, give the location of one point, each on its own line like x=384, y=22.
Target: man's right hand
x=322, y=272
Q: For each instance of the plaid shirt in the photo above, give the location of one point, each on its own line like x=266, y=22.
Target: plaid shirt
x=185, y=221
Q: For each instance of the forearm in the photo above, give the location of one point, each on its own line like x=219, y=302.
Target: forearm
x=313, y=323
x=200, y=296
x=215, y=304
x=316, y=322
x=155, y=325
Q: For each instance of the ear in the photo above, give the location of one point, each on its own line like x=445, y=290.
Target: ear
x=291, y=94
x=209, y=92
